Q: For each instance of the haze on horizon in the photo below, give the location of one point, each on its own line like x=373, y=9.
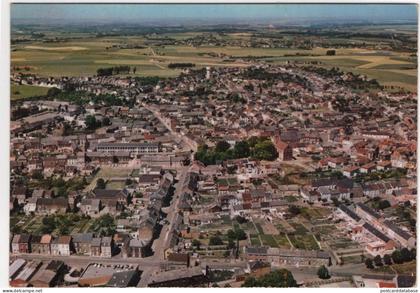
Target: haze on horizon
x=182, y=14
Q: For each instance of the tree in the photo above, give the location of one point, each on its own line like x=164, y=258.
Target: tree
x=294, y=210
x=91, y=122
x=231, y=234
x=196, y=243
x=387, y=259
x=383, y=204
x=378, y=261
x=100, y=183
x=397, y=257
x=231, y=244
x=106, y=121
x=222, y=146
x=369, y=263
x=241, y=220
x=241, y=149
x=52, y=92
x=278, y=278
x=330, y=52
x=265, y=150
x=240, y=234
x=215, y=240
x=323, y=273
x=413, y=252
x=405, y=254
x=251, y=282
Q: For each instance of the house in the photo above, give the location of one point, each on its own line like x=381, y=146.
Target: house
x=383, y=165
x=395, y=232
x=30, y=206
x=91, y=207
x=297, y=257
x=24, y=243
x=368, y=168
x=348, y=214
x=111, y=197
x=36, y=244
x=50, y=206
x=122, y=242
x=284, y=149
x=45, y=244
x=135, y=248
x=20, y=193
x=350, y=171
x=62, y=246
x=15, y=243
x=107, y=246
x=82, y=243
x=95, y=247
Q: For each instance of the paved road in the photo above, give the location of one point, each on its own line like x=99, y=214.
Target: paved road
x=84, y=260
x=163, y=242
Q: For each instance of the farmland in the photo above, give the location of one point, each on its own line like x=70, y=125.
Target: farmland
x=82, y=56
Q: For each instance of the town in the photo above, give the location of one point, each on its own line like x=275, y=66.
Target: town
x=253, y=174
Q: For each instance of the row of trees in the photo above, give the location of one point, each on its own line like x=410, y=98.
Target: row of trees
x=60, y=186
x=92, y=123
x=279, y=278
x=108, y=71
x=258, y=148
x=180, y=65
x=397, y=257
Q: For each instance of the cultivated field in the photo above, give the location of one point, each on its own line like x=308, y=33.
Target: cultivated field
x=83, y=56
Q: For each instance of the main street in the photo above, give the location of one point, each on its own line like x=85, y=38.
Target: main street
x=163, y=242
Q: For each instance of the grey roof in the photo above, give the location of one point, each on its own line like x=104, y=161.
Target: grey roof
x=368, y=210
x=106, y=193
x=82, y=237
x=256, y=250
x=397, y=230
x=96, y=242
x=376, y=232
x=123, y=279
x=106, y=241
x=349, y=212
x=128, y=145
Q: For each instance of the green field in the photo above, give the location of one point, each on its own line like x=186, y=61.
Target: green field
x=304, y=242
x=83, y=56
x=25, y=91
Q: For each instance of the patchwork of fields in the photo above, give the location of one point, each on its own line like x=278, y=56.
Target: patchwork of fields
x=81, y=57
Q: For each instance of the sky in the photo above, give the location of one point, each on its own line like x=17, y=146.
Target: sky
x=212, y=12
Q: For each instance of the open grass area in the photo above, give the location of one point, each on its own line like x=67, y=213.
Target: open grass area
x=114, y=184
x=282, y=241
x=108, y=173
x=304, y=242
x=405, y=268
x=255, y=240
x=23, y=91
